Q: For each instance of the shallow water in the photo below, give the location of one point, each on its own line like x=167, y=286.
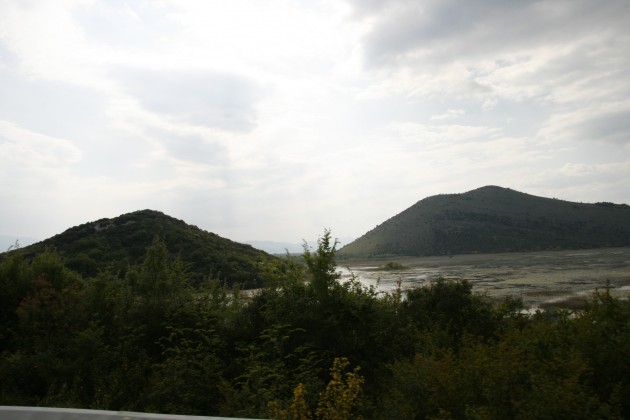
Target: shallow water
x=536, y=277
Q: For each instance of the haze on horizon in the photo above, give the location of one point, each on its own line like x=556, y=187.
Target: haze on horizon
x=272, y=120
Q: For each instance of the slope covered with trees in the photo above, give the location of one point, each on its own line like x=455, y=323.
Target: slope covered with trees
x=494, y=219
x=114, y=244
x=304, y=346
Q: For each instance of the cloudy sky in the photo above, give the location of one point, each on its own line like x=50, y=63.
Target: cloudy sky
x=275, y=119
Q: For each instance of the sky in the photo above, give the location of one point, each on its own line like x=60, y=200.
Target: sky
x=277, y=119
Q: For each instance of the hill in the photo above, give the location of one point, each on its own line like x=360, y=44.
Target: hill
x=116, y=243
x=494, y=219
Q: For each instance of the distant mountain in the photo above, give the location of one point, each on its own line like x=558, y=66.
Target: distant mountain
x=281, y=248
x=494, y=219
x=273, y=247
x=116, y=243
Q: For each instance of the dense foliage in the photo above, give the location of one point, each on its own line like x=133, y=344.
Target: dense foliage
x=116, y=243
x=493, y=219
x=304, y=346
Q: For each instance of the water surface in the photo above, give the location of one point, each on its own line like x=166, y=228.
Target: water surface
x=536, y=277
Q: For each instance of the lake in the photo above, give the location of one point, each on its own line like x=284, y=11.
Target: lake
x=539, y=278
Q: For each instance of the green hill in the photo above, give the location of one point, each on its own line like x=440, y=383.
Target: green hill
x=494, y=219
x=122, y=241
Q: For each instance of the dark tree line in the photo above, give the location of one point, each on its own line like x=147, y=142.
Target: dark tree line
x=304, y=346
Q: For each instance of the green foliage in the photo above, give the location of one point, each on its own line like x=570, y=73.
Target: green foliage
x=15, y=283
x=149, y=341
x=322, y=265
x=271, y=366
x=187, y=379
x=115, y=244
x=298, y=410
x=450, y=308
x=340, y=400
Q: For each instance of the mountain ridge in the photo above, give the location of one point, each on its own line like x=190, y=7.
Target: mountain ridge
x=115, y=243
x=493, y=219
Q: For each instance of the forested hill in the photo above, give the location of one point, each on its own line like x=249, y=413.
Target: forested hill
x=494, y=219
x=122, y=241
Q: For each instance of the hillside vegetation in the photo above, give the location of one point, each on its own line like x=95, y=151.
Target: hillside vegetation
x=305, y=346
x=115, y=244
x=494, y=219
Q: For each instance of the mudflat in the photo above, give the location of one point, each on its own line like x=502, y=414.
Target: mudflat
x=539, y=278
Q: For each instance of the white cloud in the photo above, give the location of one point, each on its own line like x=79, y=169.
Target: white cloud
x=448, y=115
x=224, y=101
x=48, y=43
x=553, y=51
x=600, y=122
x=262, y=121
x=21, y=149
x=585, y=182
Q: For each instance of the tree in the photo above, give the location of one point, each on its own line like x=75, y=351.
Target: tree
x=339, y=401
x=187, y=380
x=15, y=283
x=322, y=265
x=452, y=308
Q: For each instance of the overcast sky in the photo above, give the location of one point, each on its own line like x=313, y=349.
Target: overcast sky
x=276, y=119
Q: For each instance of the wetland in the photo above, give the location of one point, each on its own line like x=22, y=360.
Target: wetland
x=541, y=279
